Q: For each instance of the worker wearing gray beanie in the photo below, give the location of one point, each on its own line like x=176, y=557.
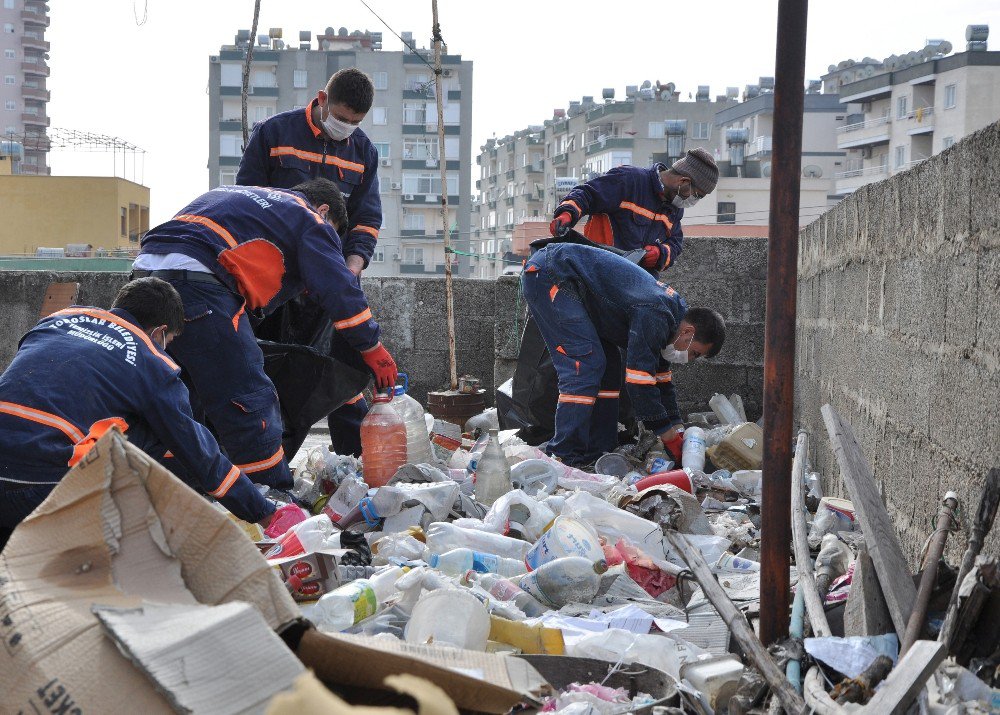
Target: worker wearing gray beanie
x=698, y=166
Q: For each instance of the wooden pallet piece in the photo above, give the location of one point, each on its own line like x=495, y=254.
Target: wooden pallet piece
x=866, y=613
x=904, y=683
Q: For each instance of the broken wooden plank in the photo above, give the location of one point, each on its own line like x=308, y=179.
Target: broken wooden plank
x=883, y=544
x=866, y=613
x=803, y=561
x=737, y=622
x=903, y=685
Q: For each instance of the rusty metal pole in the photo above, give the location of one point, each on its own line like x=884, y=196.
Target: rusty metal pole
x=779, y=330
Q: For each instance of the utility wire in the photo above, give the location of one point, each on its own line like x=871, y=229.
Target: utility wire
x=412, y=49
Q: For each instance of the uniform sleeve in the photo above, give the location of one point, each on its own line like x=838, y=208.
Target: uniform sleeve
x=668, y=396
x=647, y=335
x=169, y=414
x=674, y=243
x=364, y=210
x=331, y=284
x=254, y=165
x=597, y=196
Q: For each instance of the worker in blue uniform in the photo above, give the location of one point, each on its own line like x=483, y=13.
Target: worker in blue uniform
x=582, y=297
x=81, y=371
x=324, y=140
x=245, y=249
x=631, y=207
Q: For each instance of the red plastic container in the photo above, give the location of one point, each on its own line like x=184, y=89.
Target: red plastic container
x=677, y=477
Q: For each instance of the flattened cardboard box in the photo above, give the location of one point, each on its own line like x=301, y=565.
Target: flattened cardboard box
x=119, y=531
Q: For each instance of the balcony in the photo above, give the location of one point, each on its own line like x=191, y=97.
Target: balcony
x=420, y=129
x=34, y=43
x=613, y=109
x=253, y=91
x=411, y=268
x=534, y=168
x=608, y=144
x=848, y=181
x=36, y=120
x=560, y=158
x=33, y=17
x=874, y=131
x=870, y=88
x=37, y=68
x=35, y=93
x=761, y=146
x=919, y=121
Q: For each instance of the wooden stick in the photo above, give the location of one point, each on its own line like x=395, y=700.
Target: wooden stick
x=803, y=562
x=737, y=622
x=981, y=526
x=883, y=544
x=900, y=689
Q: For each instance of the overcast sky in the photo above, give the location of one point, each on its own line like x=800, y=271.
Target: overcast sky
x=147, y=83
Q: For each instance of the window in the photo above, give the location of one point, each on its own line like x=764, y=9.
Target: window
x=262, y=113
x=263, y=78
x=8, y=4
x=378, y=256
x=451, y=148
x=10, y=105
x=414, y=221
x=950, y=96
x=380, y=80
x=702, y=130
x=300, y=79
x=901, y=107
x=726, y=212
x=228, y=145
x=124, y=221
x=428, y=183
x=675, y=145
x=414, y=113
x=510, y=218
x=380, y=116
x=947, y=142
x=384, y=149
x=231, y=75
x=8, y=27
x=900, y=156
x=9, y=79
x=413, y=256
x=421, y=148
x=10, y=54
x=227, y=177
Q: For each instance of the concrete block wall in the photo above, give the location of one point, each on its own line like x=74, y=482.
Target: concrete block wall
x=899, y=329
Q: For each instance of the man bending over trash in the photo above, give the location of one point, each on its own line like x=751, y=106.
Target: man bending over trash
x=81, y=371
x=581, y=296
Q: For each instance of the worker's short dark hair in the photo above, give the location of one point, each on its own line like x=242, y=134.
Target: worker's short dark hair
x=352, y=87
x=709, y=328
x=323, y=191
x=152, y=302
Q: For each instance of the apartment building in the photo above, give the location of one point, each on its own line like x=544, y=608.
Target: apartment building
x=906, y=108
x=23, y=69
x=402, y=124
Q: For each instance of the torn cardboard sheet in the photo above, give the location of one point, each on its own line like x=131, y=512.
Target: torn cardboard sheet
x=117, y=531
x=474, y=681
x=188, y=652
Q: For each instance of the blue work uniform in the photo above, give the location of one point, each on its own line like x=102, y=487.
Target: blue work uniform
x=75, y=374
x=263, y=247
x=628, y=210
x=589, y=303
x=287, y=149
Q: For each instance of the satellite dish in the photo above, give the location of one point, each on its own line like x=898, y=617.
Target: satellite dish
x=944, y=48
x=765, y=169
x=812, y=172
x=342, y=32
x=646, y=85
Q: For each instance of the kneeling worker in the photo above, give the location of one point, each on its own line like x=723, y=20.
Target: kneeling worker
x=82, y=370
x=581, y=297
x=248, y=249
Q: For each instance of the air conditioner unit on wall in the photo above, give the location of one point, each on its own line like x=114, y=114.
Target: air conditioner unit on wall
x=408, y=197
x=866, y=152
x=446, y=73
x=395, y=186
x=385, y=162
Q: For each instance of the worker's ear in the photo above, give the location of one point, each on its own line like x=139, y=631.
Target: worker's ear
x=323, y=210
x=159, y=336
x=321, y=99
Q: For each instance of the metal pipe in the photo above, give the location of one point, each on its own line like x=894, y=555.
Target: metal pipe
x=793, y=668
x=943, y=525
x=803, y=560
x=779, y=321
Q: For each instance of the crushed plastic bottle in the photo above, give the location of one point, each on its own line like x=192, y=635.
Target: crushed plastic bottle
x=443, y=536
x=724, y=410
x=418, y=441
x=693, y=453
x=355, y=601
x=506, y=590
x=316, y=532
x=492, y=472
x=460, y=561
x=383, y=442
x=572, y=579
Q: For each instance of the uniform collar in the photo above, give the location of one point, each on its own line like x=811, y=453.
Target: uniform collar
x=309, y=119
x=658, y=186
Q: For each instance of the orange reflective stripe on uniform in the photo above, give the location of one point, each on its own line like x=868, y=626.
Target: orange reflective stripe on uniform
x=366, y=229
x=552, y=292
x=577, y=399
x=531, y=269
x=318, y=158
x=574, y=204
x=635, y=208
x=264, y=463
x=97, y=430
x=42, y=417
x=638, y=377
x=236, y=318
x=356, y=399
x=609, y=394
x=227, y=483
x=665, y=376
x=355, y=320
x=117, y=320
x=208, y=223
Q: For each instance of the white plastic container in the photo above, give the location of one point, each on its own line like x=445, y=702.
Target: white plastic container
x=728, y=563
x=418, y=440
x=566, y=537
x=458, y=562
x=451, y=617
x=693, y=451
x=444, y=536
x=716, y=678
x=724, y=410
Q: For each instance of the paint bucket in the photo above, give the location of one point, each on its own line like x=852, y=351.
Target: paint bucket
x=566, y=537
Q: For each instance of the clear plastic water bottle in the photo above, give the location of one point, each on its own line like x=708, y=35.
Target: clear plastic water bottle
x=418, y=442
x=506, y=590
x=492, y=472
x=444, y=536
x=573, y=579
x=383, y=442
x=459, y=561
x=355, y=601
x=693, y=452
x=724, y=410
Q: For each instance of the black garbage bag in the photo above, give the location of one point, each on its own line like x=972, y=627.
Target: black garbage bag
x=535, y=390
x=310, y=386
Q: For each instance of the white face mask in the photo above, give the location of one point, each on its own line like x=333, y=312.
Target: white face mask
x=337, y=129
x=685, y=203
x=675, y=356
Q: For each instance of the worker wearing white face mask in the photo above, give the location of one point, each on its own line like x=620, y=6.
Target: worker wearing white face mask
x=631, y=207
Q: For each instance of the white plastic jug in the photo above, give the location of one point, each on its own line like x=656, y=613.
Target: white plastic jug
x=450, y=617
x=418, y=441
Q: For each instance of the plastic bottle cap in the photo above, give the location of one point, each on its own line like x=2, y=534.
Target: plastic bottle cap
x=601, y=566
x=433, y=560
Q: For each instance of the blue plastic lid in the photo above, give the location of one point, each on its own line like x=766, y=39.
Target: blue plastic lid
x=433, y=560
